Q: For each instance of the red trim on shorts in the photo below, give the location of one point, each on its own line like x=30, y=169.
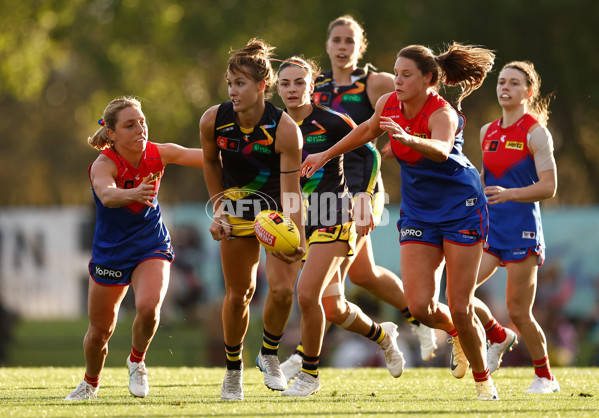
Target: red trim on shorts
x=421, y=243
x=463, y=244
x=486, y=250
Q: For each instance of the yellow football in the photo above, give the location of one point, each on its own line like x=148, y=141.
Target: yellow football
x=276, y=232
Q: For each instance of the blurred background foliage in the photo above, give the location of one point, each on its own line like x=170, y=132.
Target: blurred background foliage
x=62, y=61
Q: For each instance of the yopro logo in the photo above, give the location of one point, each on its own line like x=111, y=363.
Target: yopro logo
x=107, y=273
x=410, y=232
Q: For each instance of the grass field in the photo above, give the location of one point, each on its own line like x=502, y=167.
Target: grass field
x=37, y=392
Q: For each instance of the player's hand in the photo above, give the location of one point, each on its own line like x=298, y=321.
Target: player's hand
x=290, y=258
x=220, y=229
x=363, y=216
x=497, y=194
x=313, y=163
x=395, y=131
x=145, y=192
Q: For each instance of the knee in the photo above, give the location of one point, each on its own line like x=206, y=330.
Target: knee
x=361, y=276
x=98, y=335
x=281, y=294
x=148, y=311
x=462, y=314
x=306, y=300
x=518, y=314
x=335, y=309
x=420, y=310
x=239, y=298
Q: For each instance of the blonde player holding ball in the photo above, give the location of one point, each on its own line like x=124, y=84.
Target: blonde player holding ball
x=252, y=156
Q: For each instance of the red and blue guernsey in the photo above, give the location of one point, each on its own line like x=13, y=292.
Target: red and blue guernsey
x=127, y=235
x=434, y=191
x=507, y=162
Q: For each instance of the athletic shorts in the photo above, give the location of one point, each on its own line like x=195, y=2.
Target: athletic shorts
x=517, y=254
x=241, y=227
x=465, y=231
x=344, y=233
x=118, y=276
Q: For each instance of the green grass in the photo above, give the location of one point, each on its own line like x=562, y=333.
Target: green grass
x=36, y=392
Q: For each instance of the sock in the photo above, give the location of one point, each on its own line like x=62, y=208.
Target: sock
x=453, y=333
x=233, y=356
x=376, y=333
x=270, y=343
x=94, y=381
x=310, y=365
x=136, y=356
x=495, y=332
x=481, y=377
x=299, y=350
x=542, y=368
x=408, y=315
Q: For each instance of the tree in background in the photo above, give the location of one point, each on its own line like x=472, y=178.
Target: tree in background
x=61, y=60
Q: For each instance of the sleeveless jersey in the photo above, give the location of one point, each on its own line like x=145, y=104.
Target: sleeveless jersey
x=434, y=191
x=508, y=163
x=251, y=167
x=126, y=234
x=326, y=191
x=353, y=101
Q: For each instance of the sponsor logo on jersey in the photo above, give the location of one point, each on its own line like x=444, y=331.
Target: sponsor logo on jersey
x=129, y=184
x=319, y=98
x=491, y=146
x=230, y=144
x=412, y=232
x=107, y=273
x=315, y=139
x=514, y=145
x=471, y=202
x=354, y=98
x=262, y=149
x=528, y=235
x=502, y=139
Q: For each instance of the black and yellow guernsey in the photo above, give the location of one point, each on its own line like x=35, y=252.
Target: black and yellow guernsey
x=322, y=129
x=351, y=100
x=251, y=167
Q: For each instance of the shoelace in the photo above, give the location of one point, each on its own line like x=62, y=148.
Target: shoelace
x=302, y=382
x=85, y=392
x=485, y=389
x=139, y=374
x=232, y=379
x=269, y=363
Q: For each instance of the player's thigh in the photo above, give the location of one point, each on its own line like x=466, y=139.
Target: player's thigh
x=240, y=258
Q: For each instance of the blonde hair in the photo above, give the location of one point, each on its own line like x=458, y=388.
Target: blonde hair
x=253, y=60
x=110, y=117
x=537, y=106
x=464, y=65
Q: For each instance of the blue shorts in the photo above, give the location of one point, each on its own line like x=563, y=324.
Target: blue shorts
x=117, y=276
x=465, y=231
x=517, y=254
